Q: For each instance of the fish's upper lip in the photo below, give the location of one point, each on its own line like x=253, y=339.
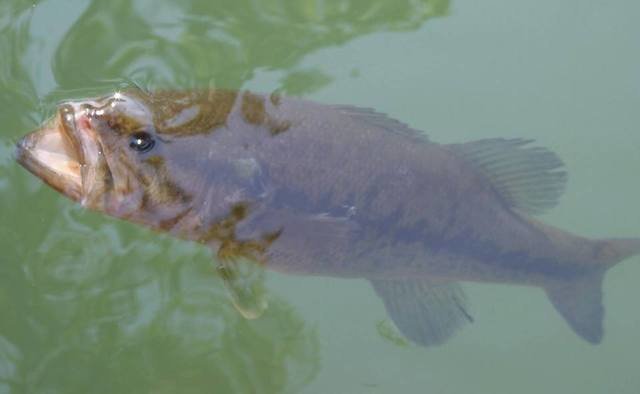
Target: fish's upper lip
x=67, y=115
x=23, y=146
x=51, y=153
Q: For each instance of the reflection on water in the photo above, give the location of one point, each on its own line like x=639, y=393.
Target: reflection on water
x=129, y=313
x=94, y=45
x=94, y=306
x=189, y=43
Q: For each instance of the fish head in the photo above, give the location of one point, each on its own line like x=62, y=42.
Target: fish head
x=107, y=154
x=166, y=160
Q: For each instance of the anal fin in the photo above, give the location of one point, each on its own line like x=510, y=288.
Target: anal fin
x=426, y=313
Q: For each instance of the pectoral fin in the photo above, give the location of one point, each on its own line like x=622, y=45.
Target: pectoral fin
x=426, y=313
x=244, y=280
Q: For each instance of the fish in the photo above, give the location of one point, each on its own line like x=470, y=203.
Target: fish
x=305, y=188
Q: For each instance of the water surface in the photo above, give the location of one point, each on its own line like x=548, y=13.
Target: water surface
x=91, y=304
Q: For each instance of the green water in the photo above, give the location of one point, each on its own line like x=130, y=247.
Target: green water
x=89, y=304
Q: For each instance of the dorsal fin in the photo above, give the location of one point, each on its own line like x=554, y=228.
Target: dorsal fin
x=378, y=119
x=531, y=179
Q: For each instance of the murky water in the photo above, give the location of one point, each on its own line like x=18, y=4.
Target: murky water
x=91, y=304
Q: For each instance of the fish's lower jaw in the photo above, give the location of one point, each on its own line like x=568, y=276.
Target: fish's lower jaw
x=95, y=200
x=49, y=154
x=84, y=201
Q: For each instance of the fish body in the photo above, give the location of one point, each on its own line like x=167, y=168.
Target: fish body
x=314, y=189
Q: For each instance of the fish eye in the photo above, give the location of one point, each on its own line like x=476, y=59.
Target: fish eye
x=141, y=142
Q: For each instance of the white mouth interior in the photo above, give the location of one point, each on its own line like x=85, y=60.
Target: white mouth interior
x=54, y=151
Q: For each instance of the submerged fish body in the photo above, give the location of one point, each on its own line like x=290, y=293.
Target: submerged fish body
x=314, y=189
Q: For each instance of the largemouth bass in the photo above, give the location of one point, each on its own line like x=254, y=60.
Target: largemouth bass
x=313, y=189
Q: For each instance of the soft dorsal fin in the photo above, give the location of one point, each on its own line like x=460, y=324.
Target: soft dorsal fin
x=530, y=178
x=378, y=119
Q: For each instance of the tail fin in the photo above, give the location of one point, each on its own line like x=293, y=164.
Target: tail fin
x=619, y=249
x=580, y=303
x=579, y=300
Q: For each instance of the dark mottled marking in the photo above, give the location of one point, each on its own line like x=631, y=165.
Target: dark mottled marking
x=491, y=255
x=253, y=110
x=275, y=99
x=155, y=161
x=169, y=224
x=122, y=124
x=159, y=188
x=277, y=127
x=214, y=109
x=240, y=211
x=224, y=232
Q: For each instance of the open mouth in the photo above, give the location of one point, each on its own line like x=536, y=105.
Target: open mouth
x=54, y=154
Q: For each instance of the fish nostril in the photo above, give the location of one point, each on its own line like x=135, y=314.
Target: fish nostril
x=67, y=115
x=24, y=143
x=66, y=110
x=88, y=109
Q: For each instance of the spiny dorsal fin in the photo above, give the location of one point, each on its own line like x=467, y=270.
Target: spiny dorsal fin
x=426, y=313
x=531, y=179
x=378, y=119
